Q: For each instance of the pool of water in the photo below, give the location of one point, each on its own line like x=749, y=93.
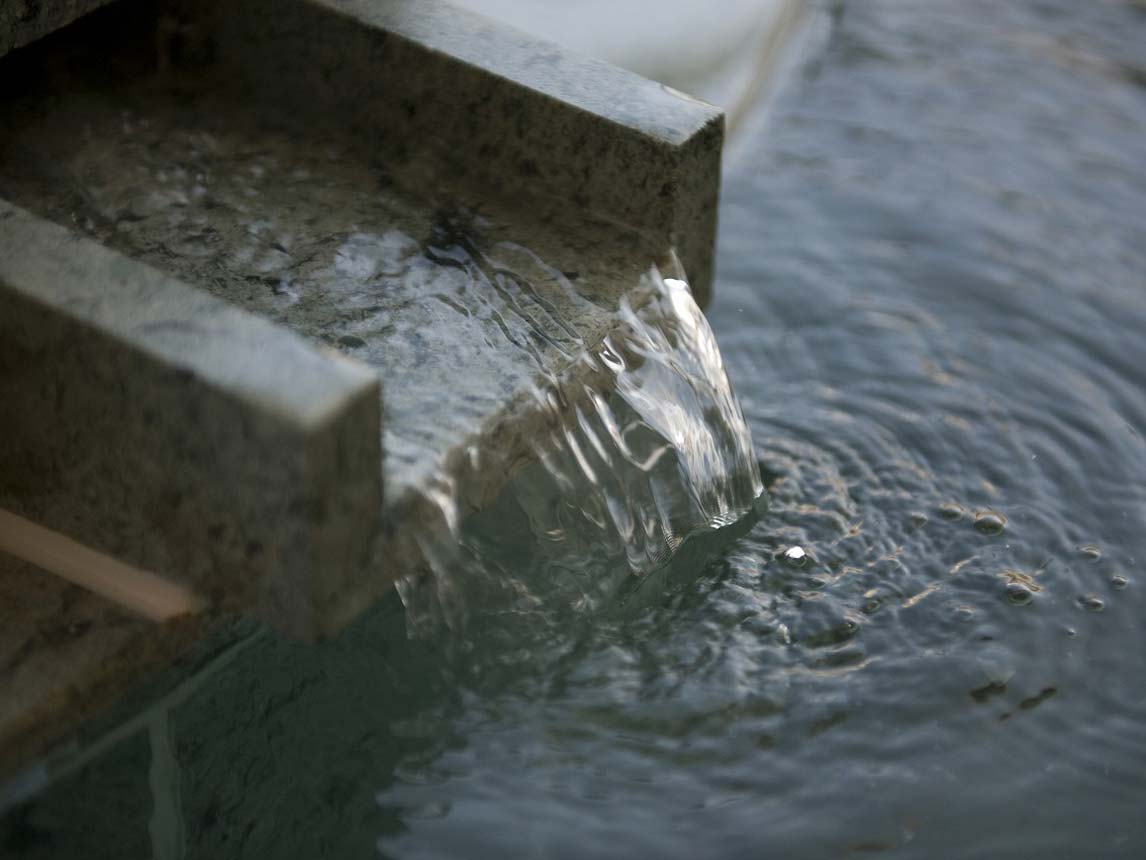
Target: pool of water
x=931, y=300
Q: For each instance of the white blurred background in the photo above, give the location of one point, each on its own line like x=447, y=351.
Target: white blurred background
x=723, y=51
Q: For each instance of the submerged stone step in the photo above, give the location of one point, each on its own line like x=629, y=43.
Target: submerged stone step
x=225, y=226
x=66, y=653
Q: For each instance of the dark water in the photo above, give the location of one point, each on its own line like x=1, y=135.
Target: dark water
x=932, y=301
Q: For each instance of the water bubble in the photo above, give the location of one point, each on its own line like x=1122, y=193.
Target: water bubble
x=796, y=557
x=1021, y=587
x=1091, y=552
x=952, y=511
x=965, y=613
x=1091, y=602
x=1019, y=594
x=1119, y=581
x=990, y=523
x=918, y=520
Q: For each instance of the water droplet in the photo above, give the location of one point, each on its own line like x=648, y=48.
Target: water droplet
x=796, y=557
x=990, y=522
x=1091, y=602
x=1119, y=581
x=1017, y=580
x=952, y=511
x=1090, y=551
x=1019, y=594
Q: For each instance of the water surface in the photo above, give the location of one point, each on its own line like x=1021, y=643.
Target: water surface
x=931, y=300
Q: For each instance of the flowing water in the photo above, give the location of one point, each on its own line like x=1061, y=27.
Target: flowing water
x=641, y=451
x=931, y=301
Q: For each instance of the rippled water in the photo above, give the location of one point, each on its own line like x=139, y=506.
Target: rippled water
x=931, y=300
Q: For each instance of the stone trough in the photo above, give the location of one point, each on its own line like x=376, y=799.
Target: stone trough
x=230, y=381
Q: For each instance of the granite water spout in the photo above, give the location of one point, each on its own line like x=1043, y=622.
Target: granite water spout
x=297, y=306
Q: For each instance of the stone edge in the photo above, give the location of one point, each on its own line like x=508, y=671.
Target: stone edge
x=516, y=112
x=172, y=430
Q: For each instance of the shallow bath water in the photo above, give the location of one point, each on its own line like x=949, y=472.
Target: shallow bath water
x=931, y=301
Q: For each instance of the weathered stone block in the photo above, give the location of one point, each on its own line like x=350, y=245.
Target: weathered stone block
x=169, y=429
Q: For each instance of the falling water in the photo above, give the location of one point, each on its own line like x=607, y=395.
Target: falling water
x=642, y=446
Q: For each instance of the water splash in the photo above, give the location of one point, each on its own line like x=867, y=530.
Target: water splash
x=637, y=447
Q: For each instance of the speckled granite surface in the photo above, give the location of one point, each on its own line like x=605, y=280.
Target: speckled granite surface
x=175, y=432
x=495, y=104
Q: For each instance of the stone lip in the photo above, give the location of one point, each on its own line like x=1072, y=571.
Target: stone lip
x=213, y=341
x=732, y=60
x=178, y=433
x=497, y=105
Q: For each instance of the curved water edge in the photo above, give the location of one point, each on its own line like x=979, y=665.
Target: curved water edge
x=637, y=444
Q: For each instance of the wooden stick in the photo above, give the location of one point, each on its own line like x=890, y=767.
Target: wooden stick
x=145, y=593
